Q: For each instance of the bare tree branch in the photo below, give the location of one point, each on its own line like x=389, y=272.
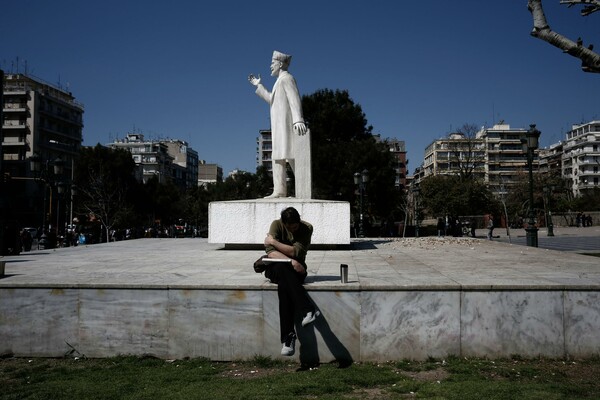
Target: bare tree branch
x=467, y=153
x=594, y=5
x=590, y=61
x=102, y=200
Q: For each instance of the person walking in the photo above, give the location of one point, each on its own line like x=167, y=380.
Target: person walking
x=441, y=227
x=288, y=239
x=490, y=227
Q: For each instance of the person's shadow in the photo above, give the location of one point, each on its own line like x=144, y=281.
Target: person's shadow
x=309, y=350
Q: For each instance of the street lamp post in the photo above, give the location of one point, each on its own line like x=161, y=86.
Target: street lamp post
x=50, y=178
x=416, y=191
x=361, y=179
x=548, y=192
x=530, y=144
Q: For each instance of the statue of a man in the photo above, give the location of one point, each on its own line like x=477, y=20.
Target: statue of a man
x=290, y=136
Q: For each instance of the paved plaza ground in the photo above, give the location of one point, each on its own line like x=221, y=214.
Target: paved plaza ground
x=373, y=263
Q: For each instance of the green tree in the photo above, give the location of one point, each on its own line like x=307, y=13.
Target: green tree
x=588, y=200
x=343, y=144
x=195, y=207
x=161, y=202
x=550, y=192
x=450, y=195
x=105, y=180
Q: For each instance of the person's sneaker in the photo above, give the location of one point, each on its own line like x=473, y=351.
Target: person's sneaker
x=310, y=317
x=288, y=348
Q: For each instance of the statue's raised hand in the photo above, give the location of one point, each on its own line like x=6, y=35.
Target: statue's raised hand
x=254, y=80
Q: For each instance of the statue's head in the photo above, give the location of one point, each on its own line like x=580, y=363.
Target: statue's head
x=280, y=62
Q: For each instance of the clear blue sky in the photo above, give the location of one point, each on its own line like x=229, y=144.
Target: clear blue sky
x=419, y=69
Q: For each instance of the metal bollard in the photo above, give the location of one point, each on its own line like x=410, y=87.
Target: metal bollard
x=344, y=273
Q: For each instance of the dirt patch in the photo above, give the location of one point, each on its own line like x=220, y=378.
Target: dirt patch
x=578, y=371
x=244, y=371
x=433, y=375
x=376, y=394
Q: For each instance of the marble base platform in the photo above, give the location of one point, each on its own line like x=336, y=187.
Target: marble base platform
x=248, y=221
x=413, y=299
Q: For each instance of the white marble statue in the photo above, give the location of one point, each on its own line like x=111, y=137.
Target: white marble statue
x=290, y=135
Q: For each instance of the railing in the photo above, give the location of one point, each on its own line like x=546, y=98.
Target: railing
x=14, y=106
x=14, y=124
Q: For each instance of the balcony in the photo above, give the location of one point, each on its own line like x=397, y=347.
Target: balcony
x=12, y=124
x=13, y=141
x=14, y=107
x=589, y=173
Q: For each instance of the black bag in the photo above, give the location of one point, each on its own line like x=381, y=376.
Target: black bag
x=259, y=266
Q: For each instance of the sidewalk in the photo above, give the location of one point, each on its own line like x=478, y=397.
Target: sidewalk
x=543, y=231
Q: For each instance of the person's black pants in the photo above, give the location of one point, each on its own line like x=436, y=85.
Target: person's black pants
x=293, y=298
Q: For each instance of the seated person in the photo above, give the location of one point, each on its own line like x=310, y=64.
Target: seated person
x=289, y=238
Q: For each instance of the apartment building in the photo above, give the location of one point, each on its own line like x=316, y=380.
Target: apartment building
x=42, y=120
x=209, y=173
x=506, y=160
x=398, y=150
x=171, y=159
x=264, y=149
x=581, y=157
x=494, y=155
x=185, y=163
x=455, y=154
x=551, y=160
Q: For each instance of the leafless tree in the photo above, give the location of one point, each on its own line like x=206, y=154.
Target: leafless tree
x=103, y=200
x=590, y=60
x=466, y=152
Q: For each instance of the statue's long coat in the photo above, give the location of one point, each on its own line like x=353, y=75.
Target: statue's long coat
x=286, y=109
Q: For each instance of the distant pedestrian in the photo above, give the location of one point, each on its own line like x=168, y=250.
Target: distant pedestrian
x=441, y=227
x=490, y=227
x=26, y=240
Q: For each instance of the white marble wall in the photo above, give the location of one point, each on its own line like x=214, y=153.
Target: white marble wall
x=217, y=324
x=582, y=323
x=38, y=322
x=248, y=221
x=404, y=325
x=499, y=324
x=123, y=321
x=238, y=324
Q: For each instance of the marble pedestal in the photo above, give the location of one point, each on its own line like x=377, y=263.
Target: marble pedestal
x=248, y=221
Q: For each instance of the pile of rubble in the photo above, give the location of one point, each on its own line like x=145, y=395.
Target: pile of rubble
x=431, y=242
